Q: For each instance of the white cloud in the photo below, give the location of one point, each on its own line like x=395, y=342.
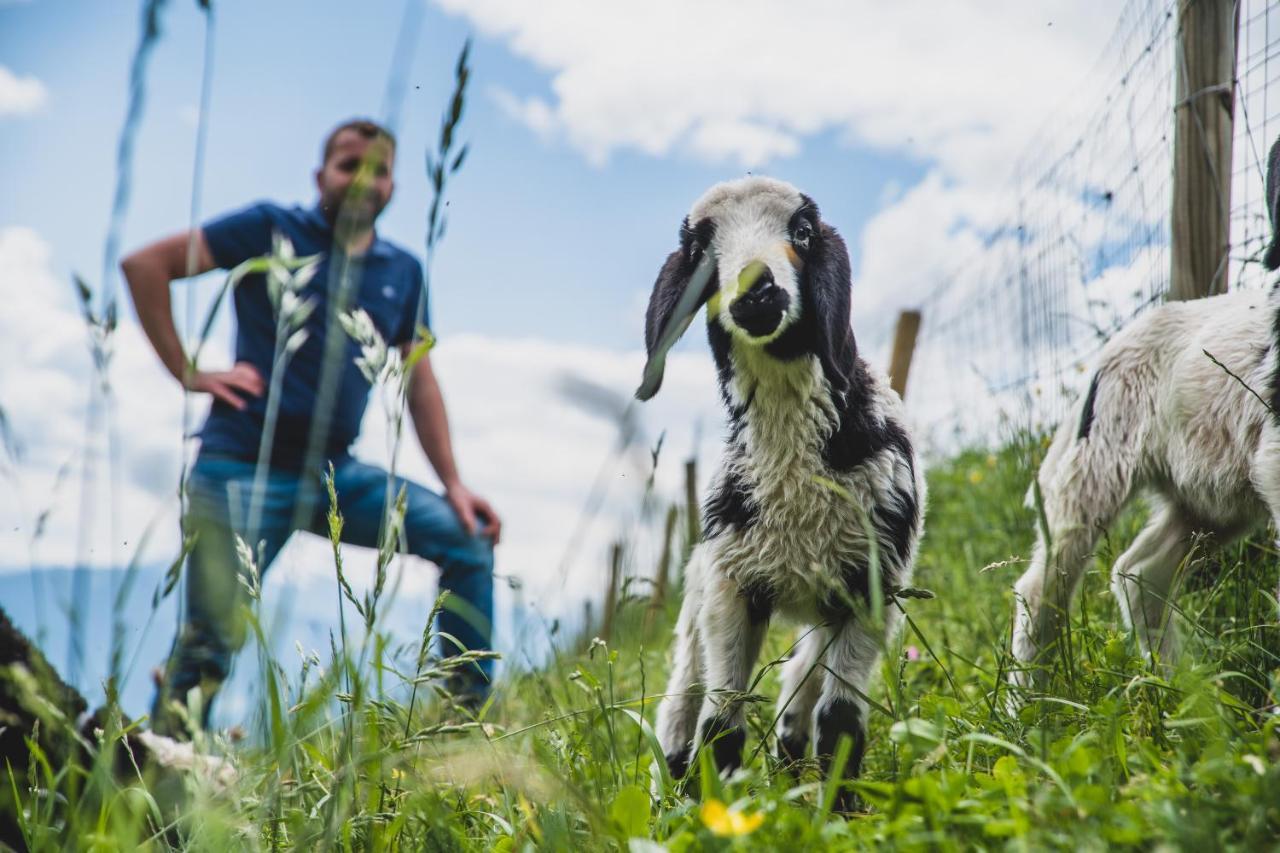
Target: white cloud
x=744, y=82
x=20, y=95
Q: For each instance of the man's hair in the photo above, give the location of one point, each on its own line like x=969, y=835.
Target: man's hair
x=363, y=126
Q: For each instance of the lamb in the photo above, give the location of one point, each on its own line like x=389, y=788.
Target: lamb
x=1161, y=419
x=818, y=489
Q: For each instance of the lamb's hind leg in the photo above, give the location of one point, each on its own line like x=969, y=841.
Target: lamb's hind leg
x=1042, y=596
x=1143, y=577
x=1083, y=484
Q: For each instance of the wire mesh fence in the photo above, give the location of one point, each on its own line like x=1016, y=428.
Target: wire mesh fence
x=1084, y=243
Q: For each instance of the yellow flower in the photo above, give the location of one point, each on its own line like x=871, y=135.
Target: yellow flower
x=975, y=476
x=724, y=822
x=991, y=460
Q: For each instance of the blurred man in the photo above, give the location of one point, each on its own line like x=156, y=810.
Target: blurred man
x=320, y=407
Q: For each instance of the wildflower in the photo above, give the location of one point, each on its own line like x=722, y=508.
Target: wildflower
x=727, y=822
x=991, y=460
x=975, y=476
x=912, y=653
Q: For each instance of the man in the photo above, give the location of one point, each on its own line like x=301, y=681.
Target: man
x=321, y=402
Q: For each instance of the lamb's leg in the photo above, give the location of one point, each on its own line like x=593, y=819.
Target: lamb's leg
x=1087, y=476
x=678, y=710
x=842, y=710
x=801, y=687
x=1042, y=596
x=1083, y=484
x=1143, y=577
x=731, y=636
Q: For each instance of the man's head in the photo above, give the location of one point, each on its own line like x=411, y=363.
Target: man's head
x=356, y=171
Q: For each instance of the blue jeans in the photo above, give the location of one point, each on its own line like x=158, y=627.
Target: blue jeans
x=221, y=492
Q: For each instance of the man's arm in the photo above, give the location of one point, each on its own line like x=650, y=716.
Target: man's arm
x=149, y=272
x=426, y=407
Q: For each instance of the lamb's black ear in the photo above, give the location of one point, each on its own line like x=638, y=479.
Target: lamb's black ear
x=1271, y=260
x=681, y=289
x=666, y=293
x=830, y=281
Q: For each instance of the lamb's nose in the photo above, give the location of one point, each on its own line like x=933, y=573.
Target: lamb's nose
x=760, y=304
x=755, y=276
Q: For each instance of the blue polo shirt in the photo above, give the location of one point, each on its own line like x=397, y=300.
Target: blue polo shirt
x=386, y=282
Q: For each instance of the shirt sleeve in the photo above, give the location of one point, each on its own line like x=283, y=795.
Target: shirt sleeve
x=239, y=236
x=416, y=308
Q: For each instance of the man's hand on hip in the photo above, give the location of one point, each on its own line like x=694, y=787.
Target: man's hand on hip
x=229, y=386
x=471, y=509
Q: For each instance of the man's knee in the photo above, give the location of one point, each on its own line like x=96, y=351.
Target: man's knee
x=476, y=554
x=435, y=533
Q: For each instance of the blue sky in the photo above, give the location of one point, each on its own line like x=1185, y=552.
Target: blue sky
x=593, y=127
x=540, y=242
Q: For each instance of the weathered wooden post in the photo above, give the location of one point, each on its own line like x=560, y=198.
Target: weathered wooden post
x=904, y=347
x=1205, y=64
x=692, y=512
x=663, y=576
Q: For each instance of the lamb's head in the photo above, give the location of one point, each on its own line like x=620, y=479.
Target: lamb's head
x=770, y=272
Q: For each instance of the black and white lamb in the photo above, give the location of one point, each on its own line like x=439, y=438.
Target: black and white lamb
x=818, y=487
x=1160, y=419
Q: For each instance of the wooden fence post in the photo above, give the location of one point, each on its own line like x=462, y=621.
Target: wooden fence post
x=693, y=513
x=1205, y=64
x=663, y=577
x=904, y=346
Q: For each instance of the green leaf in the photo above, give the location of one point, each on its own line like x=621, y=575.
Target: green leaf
x=921, y=734
x=630, y=811
x=655, y=747
x=1006, y=769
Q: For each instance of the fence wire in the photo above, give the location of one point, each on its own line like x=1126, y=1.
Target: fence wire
x=1085, y=244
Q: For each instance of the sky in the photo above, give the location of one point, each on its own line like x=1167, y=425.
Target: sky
x=592, y=129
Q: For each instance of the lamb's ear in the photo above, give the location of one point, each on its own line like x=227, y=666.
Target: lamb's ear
x=677, y=295
x=1271, y=260
x=666, y=293
x=829, y=284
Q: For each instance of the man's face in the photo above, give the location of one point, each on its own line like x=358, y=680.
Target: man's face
x=356, y=173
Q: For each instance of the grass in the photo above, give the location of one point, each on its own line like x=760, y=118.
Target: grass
x=360, y=748
x=1115, y=754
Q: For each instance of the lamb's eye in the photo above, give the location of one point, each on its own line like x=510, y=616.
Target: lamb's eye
x=695, y=249
x=802, y=234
